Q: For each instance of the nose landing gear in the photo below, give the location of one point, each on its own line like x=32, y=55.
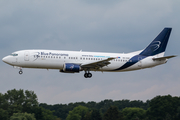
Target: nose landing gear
x=87, y=75
x=20, y=72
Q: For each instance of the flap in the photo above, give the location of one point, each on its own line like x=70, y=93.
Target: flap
x=98, y=64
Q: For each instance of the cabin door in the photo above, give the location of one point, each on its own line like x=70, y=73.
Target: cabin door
x=26, y=55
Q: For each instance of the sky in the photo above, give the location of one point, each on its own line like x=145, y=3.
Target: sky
x=118, y=26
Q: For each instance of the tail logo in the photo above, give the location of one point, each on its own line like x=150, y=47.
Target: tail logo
x=155, y=45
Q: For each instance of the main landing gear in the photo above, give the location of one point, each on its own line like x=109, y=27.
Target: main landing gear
x=87, y=75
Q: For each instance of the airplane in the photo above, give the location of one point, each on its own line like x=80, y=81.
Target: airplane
x=76, y=61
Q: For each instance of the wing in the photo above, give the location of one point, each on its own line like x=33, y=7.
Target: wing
x=96, y=65
x=164, y=58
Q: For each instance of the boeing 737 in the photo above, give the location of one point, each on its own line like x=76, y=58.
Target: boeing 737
x=76, y=61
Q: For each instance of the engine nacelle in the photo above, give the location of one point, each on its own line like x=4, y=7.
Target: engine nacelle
x=70, y=68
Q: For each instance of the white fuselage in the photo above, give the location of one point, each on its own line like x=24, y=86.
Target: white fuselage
x=55, y=59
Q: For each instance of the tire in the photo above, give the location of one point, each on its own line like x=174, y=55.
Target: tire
x=89, y=75
x=85, y=75
x=20, y=72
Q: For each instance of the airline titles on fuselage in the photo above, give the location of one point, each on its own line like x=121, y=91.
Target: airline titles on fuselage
x=63, y=54
x=43, y=54
x=56, y=54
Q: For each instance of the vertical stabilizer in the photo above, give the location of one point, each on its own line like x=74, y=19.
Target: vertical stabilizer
x=158, y=45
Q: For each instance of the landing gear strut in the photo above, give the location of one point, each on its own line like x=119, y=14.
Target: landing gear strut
x=87, y=75
x=20, y=72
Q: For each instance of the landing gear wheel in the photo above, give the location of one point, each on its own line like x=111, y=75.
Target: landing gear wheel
x=20, y=72
x=87, y=75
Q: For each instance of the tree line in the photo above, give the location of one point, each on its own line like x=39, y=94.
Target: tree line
x=23, y=105
x=159, y=108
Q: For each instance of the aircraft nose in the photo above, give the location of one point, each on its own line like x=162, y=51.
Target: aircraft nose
x=6, y=59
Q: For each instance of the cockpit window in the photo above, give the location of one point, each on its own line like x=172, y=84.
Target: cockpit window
x=14, y=54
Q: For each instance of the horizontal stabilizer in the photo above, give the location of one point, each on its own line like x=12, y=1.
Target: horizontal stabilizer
x=164, y=58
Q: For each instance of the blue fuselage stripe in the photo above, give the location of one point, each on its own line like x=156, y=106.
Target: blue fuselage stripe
x=131, y=62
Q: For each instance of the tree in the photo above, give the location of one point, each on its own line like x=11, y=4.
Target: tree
x=73, y=116
x=112, y=114
x=133, y=113
x=48, y=115
x=95, y=115
x=13, y=100
x=78, y=113
x=30, y=101
x=22, y=116
x=43, y=114
x=164, y=107
x=18, y=101
x=3, y=114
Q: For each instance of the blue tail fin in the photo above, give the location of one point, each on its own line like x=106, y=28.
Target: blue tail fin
x=158, y=45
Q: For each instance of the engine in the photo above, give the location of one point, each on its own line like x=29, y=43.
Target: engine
x=70, y=68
